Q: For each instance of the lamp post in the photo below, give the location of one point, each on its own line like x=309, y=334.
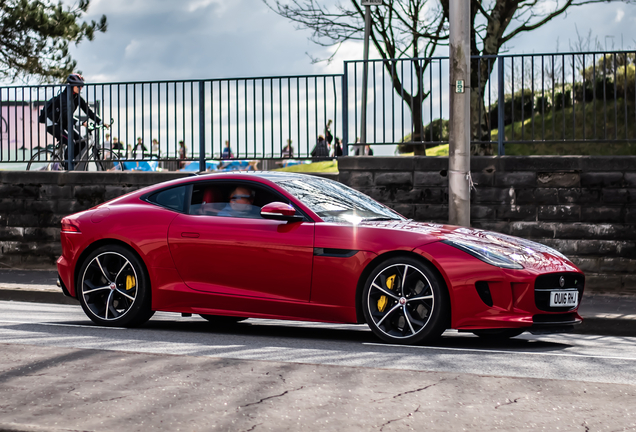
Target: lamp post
x=365, y=67
x=459, y=180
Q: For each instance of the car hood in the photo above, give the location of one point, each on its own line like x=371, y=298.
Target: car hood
x=528, y=253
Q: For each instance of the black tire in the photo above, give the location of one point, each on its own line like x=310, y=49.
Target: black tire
x=45, y=160
x=405, y=302
x=498, y=334
x=222, y=320
x=113, y=288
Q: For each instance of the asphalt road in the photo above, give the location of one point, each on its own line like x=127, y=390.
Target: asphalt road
x=60, y=372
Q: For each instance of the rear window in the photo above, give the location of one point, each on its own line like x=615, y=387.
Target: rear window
x=173, y=198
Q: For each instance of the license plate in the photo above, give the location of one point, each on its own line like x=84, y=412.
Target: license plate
x=564, y=298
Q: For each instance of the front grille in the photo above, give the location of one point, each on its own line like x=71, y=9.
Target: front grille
x=546, y=283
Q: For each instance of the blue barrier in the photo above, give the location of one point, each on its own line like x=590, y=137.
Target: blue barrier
x=141, y=165
x=194, y=166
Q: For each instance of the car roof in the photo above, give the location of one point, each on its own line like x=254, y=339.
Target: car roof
x=268, y=176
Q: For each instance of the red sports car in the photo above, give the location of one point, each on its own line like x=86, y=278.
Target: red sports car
x=298, y=247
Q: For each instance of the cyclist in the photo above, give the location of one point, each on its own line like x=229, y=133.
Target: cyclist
x=54, y=114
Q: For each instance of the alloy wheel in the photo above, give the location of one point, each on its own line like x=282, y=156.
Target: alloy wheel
x=109, y=286
x=400, y=301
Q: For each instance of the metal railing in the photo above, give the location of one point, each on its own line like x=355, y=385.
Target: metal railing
x=395, y=88
x=521, y=99
x=257, y=117
x=546, y=98
x=574, y=97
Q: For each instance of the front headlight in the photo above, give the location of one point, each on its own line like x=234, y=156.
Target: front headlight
x=486, y=253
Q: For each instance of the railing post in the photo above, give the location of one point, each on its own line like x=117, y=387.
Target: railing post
x=500, y=112
x=202, y=165
x=70, y=127
x=345, y=112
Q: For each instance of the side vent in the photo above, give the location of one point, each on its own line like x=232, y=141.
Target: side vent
x=484, y=292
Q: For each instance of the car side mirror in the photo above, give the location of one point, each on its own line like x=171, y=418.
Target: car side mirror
x=280, y=211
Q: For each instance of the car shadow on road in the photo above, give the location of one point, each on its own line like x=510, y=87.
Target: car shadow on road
x=271, y=328
x=349, y=333
x=294, y=332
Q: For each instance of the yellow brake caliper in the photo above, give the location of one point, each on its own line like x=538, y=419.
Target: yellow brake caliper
x=130, y=282
x=383, y=300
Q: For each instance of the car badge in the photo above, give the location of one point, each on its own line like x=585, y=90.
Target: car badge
x=562, y=281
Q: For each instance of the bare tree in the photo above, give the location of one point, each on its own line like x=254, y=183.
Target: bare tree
x=400, y=29
x=416, y=28
x=495, y=23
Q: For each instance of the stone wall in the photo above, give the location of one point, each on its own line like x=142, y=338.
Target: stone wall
x=583, y=206
x=33, y=203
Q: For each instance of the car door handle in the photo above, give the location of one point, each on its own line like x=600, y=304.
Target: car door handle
x=190, y=234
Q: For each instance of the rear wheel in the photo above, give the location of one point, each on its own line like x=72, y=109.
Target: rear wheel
x=45, y=160
x=222, y=320
x=113, y=288
x=405, y=302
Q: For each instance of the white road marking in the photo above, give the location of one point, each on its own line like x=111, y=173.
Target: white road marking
x=62, y=325
x=498, y=351
x=30, y=287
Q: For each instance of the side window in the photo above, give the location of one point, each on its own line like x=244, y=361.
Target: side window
x=231, y=199
x=173, y=198
x=207, y=199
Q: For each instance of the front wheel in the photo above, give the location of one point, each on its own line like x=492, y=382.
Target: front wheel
x=113, y=288
x=405, y=302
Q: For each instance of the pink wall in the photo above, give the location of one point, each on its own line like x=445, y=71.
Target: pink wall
x=19, y=126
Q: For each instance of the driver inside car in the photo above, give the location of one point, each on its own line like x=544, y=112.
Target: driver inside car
x=241, y=204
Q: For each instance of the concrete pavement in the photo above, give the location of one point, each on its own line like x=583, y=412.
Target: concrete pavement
x=64, y=389
x=603, y=314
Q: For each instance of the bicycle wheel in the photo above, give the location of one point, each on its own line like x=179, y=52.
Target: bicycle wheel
x=45, y=160
x=108, y=160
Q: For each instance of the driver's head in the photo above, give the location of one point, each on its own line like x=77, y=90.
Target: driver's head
x=241, y=198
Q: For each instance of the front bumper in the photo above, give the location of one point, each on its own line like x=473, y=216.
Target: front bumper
x=554, y=323
x=488, y=297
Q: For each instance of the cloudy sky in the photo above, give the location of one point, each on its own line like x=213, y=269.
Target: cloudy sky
x=190, y=39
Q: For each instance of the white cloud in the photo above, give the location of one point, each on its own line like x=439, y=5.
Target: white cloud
x=166, y=39
x=619, y=15
x=132, y=49
x=195, y=5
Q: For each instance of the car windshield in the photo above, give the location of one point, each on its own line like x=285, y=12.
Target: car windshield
x=335, y=202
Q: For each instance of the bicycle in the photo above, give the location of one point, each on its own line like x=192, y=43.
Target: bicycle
x=93, y=157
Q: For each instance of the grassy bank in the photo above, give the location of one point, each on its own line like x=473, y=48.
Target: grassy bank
x=604, y=124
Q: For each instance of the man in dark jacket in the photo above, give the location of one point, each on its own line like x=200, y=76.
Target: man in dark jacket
x=55, y=114
x=321, y=150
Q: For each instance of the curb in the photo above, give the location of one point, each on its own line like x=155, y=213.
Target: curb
x=36, y=296
x=607, y=327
